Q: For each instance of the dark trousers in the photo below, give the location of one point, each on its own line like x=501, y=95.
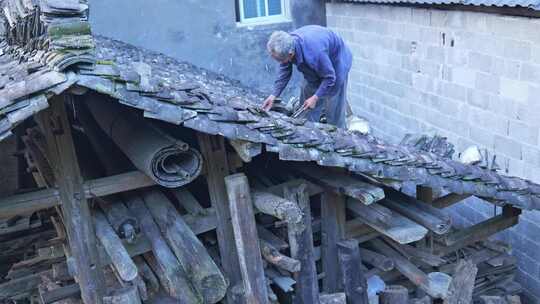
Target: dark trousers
x=334, y=107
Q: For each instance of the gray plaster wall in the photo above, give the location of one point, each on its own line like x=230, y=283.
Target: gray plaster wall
x=204, y=33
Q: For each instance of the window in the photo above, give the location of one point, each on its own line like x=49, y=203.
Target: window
x=262, y=11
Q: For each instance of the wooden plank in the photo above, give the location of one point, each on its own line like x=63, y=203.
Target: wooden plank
x=42, y=199
x=353, y=278
x=276, y=206
x=125, y=295
x=274, y=257
x=76, y=213
x=113, y=247
x=245, y=235
x=301, y=243
x=61, y=293
x=406, y=267
x=332, y=231
x=482, y=230
x=462, y=285
x=311, y=188
x=376, y=260
x=215, y=156
x=191, y=253
x=187, y=200
x=423, y=213
x=165, y=264
x=449, y=200
x=342, y=184
x=388, y=222
x=272, y=239
x=394, y=294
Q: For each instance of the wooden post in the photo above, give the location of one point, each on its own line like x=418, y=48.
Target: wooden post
x=394, y=294
x=76, y=213
x=197, y=263
x=113, y=246
x=215, y=156
x=354, y=280
x=165, y=264
x=247, y=241
x=332, y=231
x=301, y=243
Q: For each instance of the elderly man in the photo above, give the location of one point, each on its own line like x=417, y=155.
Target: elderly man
x=324, y=60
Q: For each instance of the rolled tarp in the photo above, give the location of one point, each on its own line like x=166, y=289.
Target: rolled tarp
x=168, y=161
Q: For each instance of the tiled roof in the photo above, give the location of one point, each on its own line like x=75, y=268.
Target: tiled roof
x=33, y=70
x=532, y=4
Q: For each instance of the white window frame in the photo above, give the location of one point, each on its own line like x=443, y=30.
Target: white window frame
x=283, y=17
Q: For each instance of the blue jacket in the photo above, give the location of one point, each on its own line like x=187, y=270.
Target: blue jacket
x=323, y=58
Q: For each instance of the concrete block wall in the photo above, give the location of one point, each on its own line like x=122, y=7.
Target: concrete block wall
x=472, y=77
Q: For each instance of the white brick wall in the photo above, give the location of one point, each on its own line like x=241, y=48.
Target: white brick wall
x=473, y=77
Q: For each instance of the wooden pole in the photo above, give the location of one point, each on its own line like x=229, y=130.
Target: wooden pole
x=247, y=244
x=394, y=294
x=43, y=199
x=332, y=231
x=191, y=253
x=301, y=243
x=166, y=266
x=113, y=246
x=353, y=280
x=125, y=295
x=77, y=217
x=215, y=156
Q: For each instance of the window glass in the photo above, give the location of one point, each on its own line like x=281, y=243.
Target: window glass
x=274, y=7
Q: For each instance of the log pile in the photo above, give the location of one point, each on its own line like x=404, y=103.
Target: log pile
x=266, y=231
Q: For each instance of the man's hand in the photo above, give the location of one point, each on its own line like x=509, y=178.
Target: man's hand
x=311, y=102
x=268, y=102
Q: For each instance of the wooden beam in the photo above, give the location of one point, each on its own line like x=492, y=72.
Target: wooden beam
x=482, y=230
x=42, y=199
x=424, y=194
x=342, y=184
x=201, y=270
x=76, y=212
x=448, y=200
x=311, y=188
x=246, y=239
x=163, y=261
x=61, y=293
x=419, y=211
x=301, y=243
x=406, y=268
x=388, y=222
x=115, y=250
x=215, y=156
x=394, y=294
x=332, y=231
x=353, y=278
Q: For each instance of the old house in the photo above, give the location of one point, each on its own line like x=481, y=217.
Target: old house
x=133, y=175
x=466, y=70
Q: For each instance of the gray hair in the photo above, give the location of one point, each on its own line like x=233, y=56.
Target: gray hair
x=280, y=44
